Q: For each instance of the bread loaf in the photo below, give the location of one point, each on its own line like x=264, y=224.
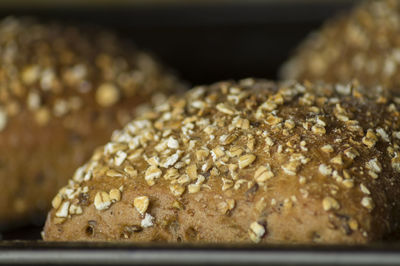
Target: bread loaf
x=63, y=90
x=248, y=161
x=363, y=44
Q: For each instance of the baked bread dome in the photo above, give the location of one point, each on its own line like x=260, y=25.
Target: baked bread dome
x=63, y=90
x=363, y=44
x=240, y=162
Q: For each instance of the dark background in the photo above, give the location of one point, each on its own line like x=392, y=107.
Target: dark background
x=204, y=41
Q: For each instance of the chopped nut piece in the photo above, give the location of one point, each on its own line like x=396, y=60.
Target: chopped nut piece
x=231, y=204
x=172, y=143
x=74, y=209
x=226, y=109
x=132, y=172
x=191, y=171
x=354, y=126
x=302, y=180
x=113, y=147
x=348, y=183
x=152, y=173
x=202, y=154
x=337, y=160
x=325, y=169
x=58, y=220
x=269, y=141
x=353, y=224
x=171, y=174
x=62, y=212
x=114, y=173
x=268, y=106
x=235, y=151
x=102, y=201
x=396, y=163
x=239, y=183
x=246, y=160
x=318, y=129
x=120, y=157
x=351, y=153
x=177, y=190
x=263, y=173
x=289, y=124
x=373, y=174
x=370, y=139
x=256, y=232
x=250, y=142
x=115, y=195
x=107, y=95
x=343, y=89
x=273, y=120
x=396, y=134
x=367, y=203
x=346, y=174
x=141, y=204
x=217, y=152
x=135, y=154
x=198, y=104
x=56, y=202
x=374, y=165
x=327, y=148
x=194, y=188
x=147, y=221
x=382, y=133
x=241, y=123
x=227, y=184
x=321, y=121
x=364, y=189
x=291, y=167
x=170, y=161
x=183, y=180
x=227, y=139
x=330, y=203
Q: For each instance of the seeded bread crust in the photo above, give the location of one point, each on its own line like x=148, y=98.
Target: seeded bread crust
x=363, y=44
x=63, y=90
x=240, y=162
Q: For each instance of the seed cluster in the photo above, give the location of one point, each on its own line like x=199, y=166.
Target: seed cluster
x=362, y=45
x=247, y=138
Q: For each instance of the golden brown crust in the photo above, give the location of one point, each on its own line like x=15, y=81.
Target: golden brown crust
x=237, y=162
x=363, y=44
x=63, y=90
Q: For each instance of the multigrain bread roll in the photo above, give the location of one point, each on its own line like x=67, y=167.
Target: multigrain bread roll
x=241, y=162
x=63, y=90
x=363, y=44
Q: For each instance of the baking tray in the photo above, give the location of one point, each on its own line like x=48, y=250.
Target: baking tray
x=42, y=253
x=204, y=41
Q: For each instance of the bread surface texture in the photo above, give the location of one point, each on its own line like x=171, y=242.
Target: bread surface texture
x=247, y=161
x=362, y=44
x=63, y=90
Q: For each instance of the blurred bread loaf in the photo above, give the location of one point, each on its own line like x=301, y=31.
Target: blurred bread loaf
x=248, y=161
x=63, y=90
x=363, y=44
